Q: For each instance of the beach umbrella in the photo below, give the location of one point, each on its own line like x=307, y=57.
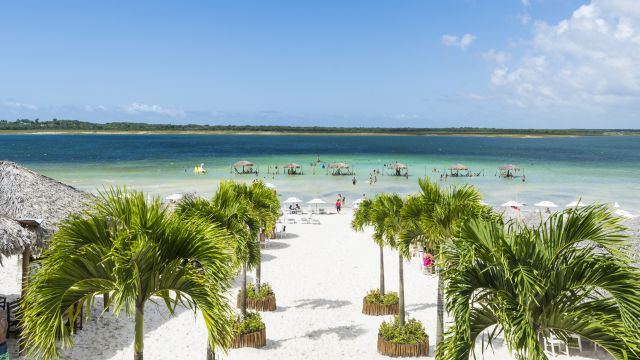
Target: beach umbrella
x=616, y=205
x=292, y=200
x=270, y=186
x=174, y=197
x=357, y=201
x=37, y=202
x=512, y=203
x=396, y=166
x=459, y=167
x=546, y=204
x=625, y=214
x=316, y=201
x=577, y=203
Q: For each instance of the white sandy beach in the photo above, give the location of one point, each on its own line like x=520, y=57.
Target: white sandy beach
x=320, y=274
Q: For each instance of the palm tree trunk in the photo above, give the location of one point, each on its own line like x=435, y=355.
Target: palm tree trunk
x=259, y=274
x=401, y=290
x=381, y=270
x=440, y=307
x=138, y=343
x=243, y=293
x=26, y=254
x=440, y=303
x=211, y=355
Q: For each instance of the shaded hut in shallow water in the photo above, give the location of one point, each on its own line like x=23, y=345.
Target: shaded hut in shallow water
x=397, y=169
x=508, y=171
x=458, y=170
x=244, y=167
x=341, y=168
x=293, y=169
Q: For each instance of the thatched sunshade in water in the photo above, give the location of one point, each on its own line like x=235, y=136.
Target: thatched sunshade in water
x=293, y=169
x=508, y=170
x=38, y=203
x=242, y=164
x=341, y=168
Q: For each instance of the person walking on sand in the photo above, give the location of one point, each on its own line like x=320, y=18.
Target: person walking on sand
x=4, y=327
x=338, y=206
x=353, y=181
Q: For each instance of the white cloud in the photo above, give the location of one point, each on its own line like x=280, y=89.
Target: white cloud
x=494, y=56
x=18, y=105
x=142, y=108
x=591, y=59
x=94, y=108
x=524, y=18
x=525, y=2
x=454, y=41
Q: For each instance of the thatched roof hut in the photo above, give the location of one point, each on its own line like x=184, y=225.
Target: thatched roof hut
x=459, y=167
x=397, y=166
x=14, y=238
x=37, y=203
x=25, y=194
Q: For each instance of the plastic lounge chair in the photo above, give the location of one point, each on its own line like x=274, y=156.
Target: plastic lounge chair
x=291, y=221
x=315, y=221
x=305, y=220
x=551, y=342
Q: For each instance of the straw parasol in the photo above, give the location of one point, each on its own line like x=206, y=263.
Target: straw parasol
x=339, y=165
x=174, y=197
x=397, y=166
x=458, y=167
x=37, y=202
x=577, y=203
x=243, y=163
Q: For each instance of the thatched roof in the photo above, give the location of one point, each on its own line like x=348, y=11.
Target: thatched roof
x=292, y=166
x=339, y=165
x=397, y=166
x=25, y=194
x=508, y=167
x=243, y=163
x=14, y=238
x=459, y=167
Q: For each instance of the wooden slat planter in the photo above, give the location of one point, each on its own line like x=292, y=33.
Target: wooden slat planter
x=266, y=304
x=378, y=309
x=256, y=340
x=395, y=350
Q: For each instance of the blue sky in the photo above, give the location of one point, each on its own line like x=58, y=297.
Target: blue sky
x=430, y=63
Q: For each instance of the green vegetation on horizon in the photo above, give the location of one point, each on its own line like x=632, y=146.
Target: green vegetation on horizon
x=36, y=125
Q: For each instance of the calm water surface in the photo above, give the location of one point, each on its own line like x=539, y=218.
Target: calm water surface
x=604, y=169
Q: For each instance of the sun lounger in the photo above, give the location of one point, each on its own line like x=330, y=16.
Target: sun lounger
x=305, y=220
x=315, y=221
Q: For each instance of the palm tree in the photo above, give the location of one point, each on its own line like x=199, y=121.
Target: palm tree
x=569, y=275
x=361, y=218
x=432, y=218
x=231, y=209
x=266, y=207
x=386, y=210
x=134, y=250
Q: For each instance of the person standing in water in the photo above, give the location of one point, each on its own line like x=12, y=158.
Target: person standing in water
x=353, y=181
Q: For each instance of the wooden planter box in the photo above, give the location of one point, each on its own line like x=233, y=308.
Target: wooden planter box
x=395, y=350
x=256, y=340
x=266, y=304
x=378, y=309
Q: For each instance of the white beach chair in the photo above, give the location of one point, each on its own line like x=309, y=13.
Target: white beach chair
x=315, y=221
x=291, y=220
x=305, y=220
x=551, y=342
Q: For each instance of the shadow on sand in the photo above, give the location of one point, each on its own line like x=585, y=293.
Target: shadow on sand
x=321, y=303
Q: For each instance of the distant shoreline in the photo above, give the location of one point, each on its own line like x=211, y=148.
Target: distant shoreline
x=320, y=133
x=55, y=127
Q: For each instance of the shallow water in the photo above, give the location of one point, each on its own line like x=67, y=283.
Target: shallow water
x=603, y=169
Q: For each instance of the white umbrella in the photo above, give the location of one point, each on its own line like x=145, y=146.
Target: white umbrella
x=316, y=201
x=624, y=214
x=357, y=201
x=616, y=205
x=270, y=186
x=292, y=200
x=577, y=203
x=546, y=204
x=512, y=204
x=174, y=197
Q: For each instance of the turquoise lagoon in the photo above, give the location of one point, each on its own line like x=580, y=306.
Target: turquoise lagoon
x=560, y=169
